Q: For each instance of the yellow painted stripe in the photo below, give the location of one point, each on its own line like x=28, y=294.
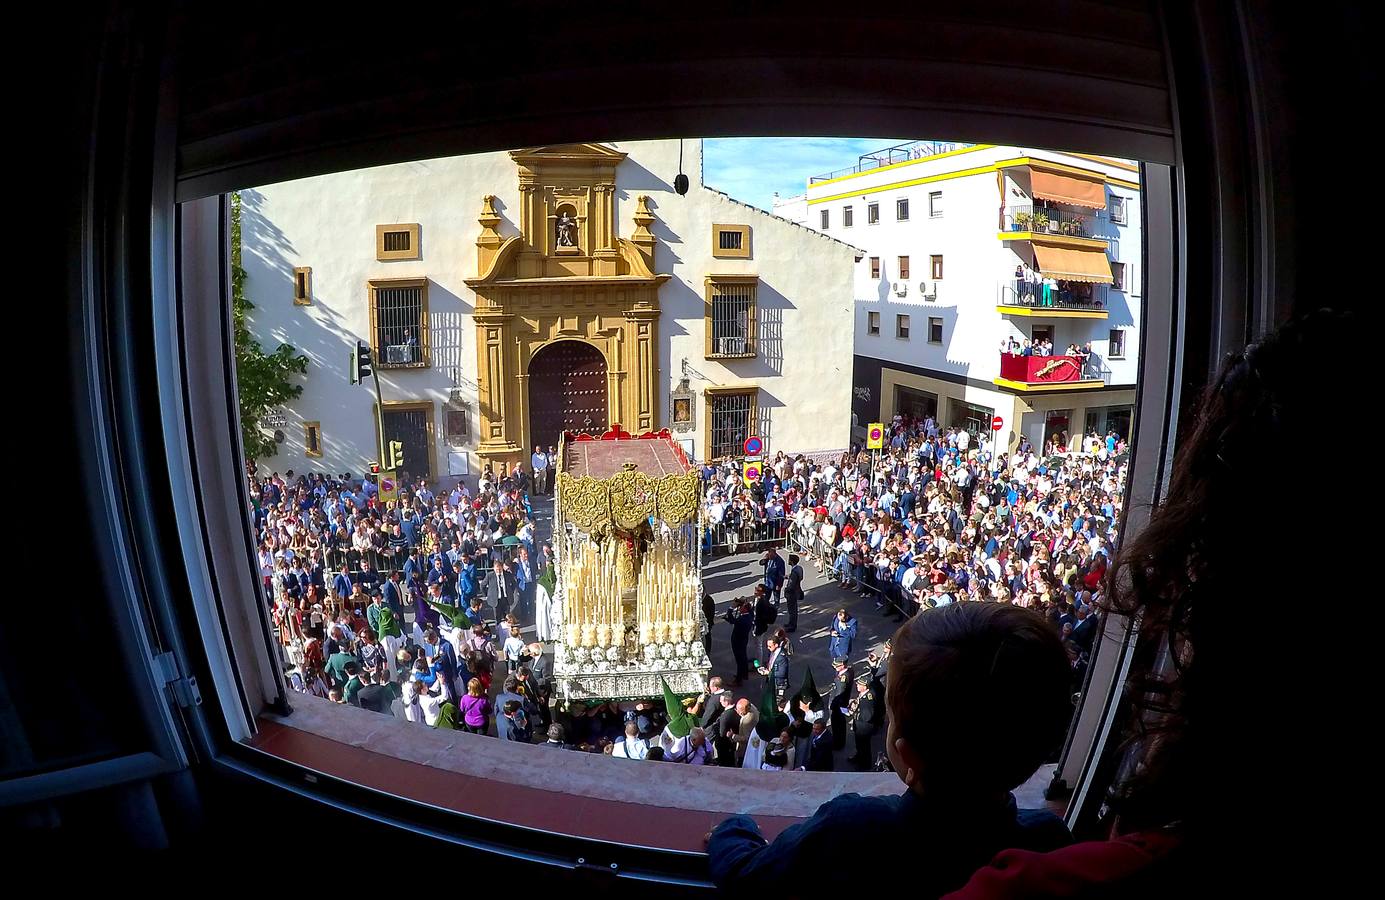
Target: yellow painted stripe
x=899, y=165
x=1051, y=313
x=963, y=173
x=1048, y=385
x=1107, y=160
x=1048, y=237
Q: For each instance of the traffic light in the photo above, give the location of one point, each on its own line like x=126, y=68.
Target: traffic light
x=396, y=456
x=361, y=365
x=374, y=468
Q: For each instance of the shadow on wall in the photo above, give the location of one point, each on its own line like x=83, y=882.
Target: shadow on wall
x=634, y=179
x=664, y=256
x=769, y=336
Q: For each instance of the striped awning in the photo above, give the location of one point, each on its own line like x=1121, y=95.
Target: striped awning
x=1071, y=189
x=1073, y=264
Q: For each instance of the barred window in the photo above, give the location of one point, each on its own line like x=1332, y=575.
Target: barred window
x=730, y=316
x=826, y=218
x=399, y=322
x=731, y=420
x=1117, y=208
x=935, y=205
x=846, y=216
x=901, y=209
x=397, y=242
x=411, y=423
x=731, y=241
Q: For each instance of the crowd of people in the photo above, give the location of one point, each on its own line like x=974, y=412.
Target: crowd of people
x=939, y=516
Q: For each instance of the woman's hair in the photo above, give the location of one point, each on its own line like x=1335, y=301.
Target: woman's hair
x=1186, y=576
x=981, y=692
x=473, y=687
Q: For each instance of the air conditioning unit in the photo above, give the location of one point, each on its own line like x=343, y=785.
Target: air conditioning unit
x=927, y=291
x=730, y=346
x=901, y=288
x=398, y=354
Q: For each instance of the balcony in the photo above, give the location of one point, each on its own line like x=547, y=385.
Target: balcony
x=1055, y=224
x=1049, y=373
x=1072, y=300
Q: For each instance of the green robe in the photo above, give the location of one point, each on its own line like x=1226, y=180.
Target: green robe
x=453, y=614
x=447, y=717
x=389, y=625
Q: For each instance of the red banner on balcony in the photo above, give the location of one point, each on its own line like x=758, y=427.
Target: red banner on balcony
x=1040, y=369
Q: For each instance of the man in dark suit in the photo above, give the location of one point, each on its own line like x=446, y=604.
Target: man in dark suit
x=742, y=620
x=793, y=591
x=776, y=669
x=774, y=573
x=819, y=749
x=501, y=590
x=374, y=696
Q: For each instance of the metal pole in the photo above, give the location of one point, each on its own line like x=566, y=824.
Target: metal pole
x=379, y=415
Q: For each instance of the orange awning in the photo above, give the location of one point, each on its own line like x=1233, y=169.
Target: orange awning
x=1069, y=264
x=1072, y=189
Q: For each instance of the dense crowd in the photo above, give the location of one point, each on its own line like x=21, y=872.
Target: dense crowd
x=939, y=515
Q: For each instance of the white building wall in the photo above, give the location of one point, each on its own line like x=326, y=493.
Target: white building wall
x=977, y=265
x=805, y=296
x=795, y=208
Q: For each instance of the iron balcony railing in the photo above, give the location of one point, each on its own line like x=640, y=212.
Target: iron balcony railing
x=1057, y=220
x=1069, y=295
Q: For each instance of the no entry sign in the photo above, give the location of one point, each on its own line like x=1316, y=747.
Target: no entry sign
x=753, y=446
x=997, y=423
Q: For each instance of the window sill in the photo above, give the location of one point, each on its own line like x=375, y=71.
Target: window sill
x=417, y=365
x=589, y=796
x=729, y=356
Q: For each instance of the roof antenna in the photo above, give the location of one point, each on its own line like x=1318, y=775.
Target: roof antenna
x=680, y=181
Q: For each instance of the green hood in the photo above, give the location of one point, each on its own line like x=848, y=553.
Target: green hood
x=680, y=721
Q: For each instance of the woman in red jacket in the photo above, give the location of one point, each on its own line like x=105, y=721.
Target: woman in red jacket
x=1218, y=722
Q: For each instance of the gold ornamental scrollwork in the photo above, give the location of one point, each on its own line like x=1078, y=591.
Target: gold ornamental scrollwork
x=585, y=500
x=633, y=499
x=678, y=497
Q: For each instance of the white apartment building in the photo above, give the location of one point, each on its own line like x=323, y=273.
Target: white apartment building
x=508, y=297
x=944, y=228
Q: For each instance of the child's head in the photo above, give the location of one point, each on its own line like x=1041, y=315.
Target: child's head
x=978, y=697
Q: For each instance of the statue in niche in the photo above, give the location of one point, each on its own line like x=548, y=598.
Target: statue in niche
x=567, y=229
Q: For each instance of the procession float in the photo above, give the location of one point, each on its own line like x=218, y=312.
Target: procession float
x=627, y=611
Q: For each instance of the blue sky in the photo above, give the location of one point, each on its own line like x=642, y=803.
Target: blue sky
x=752, y=169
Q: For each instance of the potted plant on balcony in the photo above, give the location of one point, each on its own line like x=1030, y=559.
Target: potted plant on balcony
x=1022, y=221
x=1040, y=221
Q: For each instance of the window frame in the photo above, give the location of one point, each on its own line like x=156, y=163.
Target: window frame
x=1118, y=202
x=711, y=285
x=873, y=213
x=743, y=252
x=902, y=264
x=373, y=286
x=875, y=268
x=848, y=216
x=872, y=322
x=935, y=210
x=901, y=205
x=303, y=286
x=825, y=218
x=901, y=326
x=1111, y=354
x=308, y=429
x=935, y=266
x=430, y=429
x=415, y=250
x=936, y=321
x=710, y=395
x=1118, y=275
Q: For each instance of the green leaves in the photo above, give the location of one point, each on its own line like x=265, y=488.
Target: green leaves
x=263, y=380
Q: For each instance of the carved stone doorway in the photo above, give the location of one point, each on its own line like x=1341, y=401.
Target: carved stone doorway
x=567, y=391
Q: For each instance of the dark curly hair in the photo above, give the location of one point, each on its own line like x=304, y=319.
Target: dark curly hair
x=1184, y=578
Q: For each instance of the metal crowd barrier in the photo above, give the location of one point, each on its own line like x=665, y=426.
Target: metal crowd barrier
x=748, y=536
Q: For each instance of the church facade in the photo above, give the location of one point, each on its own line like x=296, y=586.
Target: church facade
x=508, y=297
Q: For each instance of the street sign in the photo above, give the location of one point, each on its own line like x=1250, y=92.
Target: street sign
x=875, y=436
x=389, y=486
x=997, y=423
x=751, y=473
x=753, y=446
